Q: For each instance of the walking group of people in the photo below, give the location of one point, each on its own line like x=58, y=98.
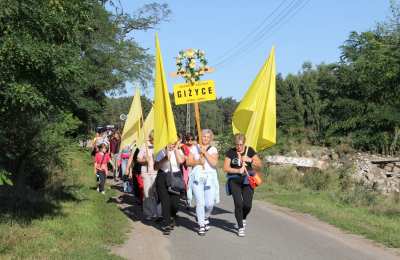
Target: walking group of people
x=184, y=171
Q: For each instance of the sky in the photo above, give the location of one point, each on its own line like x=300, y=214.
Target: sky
x=243, y=32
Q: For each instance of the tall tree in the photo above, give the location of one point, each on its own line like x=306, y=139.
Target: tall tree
x=58, y=58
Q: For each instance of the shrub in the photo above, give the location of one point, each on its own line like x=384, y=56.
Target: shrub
x=288, y=177
x=360, y=194
x=346, y=182
x=317, y=180
x=224, y=142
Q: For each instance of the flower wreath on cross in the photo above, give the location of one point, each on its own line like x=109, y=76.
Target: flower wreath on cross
x=191, y=65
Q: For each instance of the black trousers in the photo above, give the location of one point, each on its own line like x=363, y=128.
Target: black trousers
x=169, y=201
x=102, y=180
x=242, y=198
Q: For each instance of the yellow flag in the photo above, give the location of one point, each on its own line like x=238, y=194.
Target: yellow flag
x=131, y=131
x=256, y=114
x=148, y=126
x=164, y=125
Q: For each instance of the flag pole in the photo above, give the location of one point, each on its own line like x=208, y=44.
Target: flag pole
x=145, y=143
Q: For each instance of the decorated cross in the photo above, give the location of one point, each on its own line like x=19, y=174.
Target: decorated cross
x=191, y=65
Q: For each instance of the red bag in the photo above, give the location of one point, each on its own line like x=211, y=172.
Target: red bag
x=254, y=180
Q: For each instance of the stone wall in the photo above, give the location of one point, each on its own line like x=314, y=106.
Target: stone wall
x=381, y=172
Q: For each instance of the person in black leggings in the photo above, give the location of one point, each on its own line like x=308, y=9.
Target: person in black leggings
x=239, y=162
x=168, y=160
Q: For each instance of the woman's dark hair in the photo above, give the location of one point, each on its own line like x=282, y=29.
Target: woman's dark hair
x=101, y=146
x=189, y=136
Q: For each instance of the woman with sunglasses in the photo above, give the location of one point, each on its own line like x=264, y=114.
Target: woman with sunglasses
x=238, y=164
x=186, y=146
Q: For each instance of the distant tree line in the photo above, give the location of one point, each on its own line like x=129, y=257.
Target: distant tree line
x=215, y=115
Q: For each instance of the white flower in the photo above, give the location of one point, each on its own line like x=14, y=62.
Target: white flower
x=189, y=53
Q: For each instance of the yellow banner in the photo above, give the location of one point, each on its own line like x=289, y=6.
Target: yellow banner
x=201, y=91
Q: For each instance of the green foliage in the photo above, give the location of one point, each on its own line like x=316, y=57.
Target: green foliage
x=343, y=203
x=224, y=142
x=355, y=193
x=356, y=99
x=115, y=106
x=317, y=180
x=214, y=115
x=288, y=177
x=58, y=59
x=51, y=222
x=360, y=194
x=5, y=178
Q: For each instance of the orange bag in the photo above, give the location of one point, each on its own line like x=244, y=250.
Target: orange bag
x=258, y=179
x=255, y=180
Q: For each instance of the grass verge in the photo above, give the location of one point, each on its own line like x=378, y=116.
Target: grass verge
x=335, y=198
x=78, y=224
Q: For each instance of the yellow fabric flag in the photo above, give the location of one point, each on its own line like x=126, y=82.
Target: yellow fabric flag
x=132, y=127
x=148, y=126
x=164, y=125
x=256, y=114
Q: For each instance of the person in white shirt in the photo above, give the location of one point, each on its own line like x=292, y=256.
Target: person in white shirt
x=203, y=179
x=149, y=174
x=168, y=161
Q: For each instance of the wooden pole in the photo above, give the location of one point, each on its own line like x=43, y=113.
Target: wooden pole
x=197, y=116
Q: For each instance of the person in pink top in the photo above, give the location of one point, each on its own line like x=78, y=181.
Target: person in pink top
x=189, y=142
x=100, y=166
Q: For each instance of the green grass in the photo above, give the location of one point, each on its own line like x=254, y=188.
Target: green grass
x=377, y=219
x=84, y=226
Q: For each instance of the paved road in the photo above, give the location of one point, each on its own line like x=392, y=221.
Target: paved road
x=271, y=233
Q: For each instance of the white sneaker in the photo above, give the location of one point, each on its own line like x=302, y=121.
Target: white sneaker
x=244, y=223
x=241, y=232
x=98, y=190
x=202, y=231
x=103, y=192
x=207, y=224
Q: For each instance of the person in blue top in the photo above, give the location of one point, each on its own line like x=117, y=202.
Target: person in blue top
x=239, y=163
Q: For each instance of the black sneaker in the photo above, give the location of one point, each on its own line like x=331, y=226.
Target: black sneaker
x=158, y=219
x=166, y=230
x=173, y=223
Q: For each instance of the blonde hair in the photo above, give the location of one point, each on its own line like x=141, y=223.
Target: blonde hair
x=208, y=131
x=240, y=137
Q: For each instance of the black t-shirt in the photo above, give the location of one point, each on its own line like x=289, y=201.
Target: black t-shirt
x=235, y=162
